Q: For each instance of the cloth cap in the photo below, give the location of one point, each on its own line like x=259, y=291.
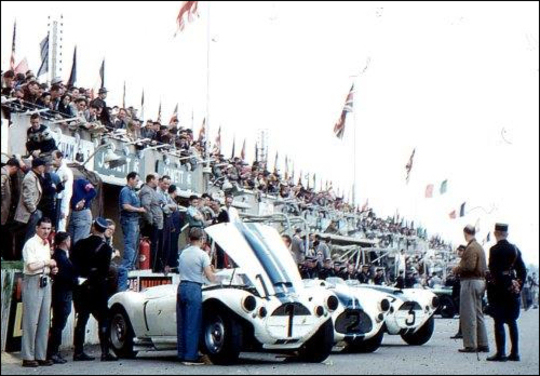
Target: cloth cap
x=103, y=90
x=503, y=227
x=469, y=229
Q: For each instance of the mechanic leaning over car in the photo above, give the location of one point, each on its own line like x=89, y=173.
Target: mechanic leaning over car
x=91, y=258
x=193, y=263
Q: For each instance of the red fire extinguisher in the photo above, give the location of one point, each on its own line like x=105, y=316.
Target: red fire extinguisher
x=144, y=253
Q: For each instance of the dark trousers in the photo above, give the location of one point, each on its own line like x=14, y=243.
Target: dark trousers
x=61, y=307
x=500, y=336
x=91, y=300
x=188, y=320
x=165, y=243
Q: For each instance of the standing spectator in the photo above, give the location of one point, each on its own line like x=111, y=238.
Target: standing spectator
x=456, y=292
x=363, y=276
x=64, y=197
x=327, y=270
x=400, y=262
x=400, y=280
x=39, y=138
x=62, y=294
x=321, y=246
x=51, y=186
x=176, y=228
x=192, y=264
x=194, y=216
x=27, y=209
x=472, y=270
x=435, y=280
x=508, y=274
x=91, y=259
x=36, y=296
x=379, y=277
x=152, y=218
x=298, y=246
x=169, y=207
x=100, y=102
x=80, y=222
x=130, y=210
x=112, y=278
x=10, y=169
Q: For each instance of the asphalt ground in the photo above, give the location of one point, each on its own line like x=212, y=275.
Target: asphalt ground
x=438, y=357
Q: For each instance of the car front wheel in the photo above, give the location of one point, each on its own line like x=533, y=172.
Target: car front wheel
x=121, y=334
x=222, y=338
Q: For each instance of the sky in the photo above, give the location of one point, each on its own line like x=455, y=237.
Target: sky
x=457, y=81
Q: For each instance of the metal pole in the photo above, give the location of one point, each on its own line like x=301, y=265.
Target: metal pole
x=208, y=73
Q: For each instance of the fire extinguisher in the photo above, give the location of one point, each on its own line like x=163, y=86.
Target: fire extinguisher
x=144, y=253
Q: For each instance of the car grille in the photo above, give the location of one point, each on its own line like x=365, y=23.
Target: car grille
x=353, y=321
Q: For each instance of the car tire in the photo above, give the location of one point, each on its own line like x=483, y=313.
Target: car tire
x=221, y=338
x=121, y=334
x=318, y=347
x=422, y=335
x=447, y=307
x=366, y=346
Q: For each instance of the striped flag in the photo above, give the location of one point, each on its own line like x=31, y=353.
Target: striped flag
x=339, y=127
x=44, y=49
x=243, y=152
x=409, y=165
x=174, y=115
x=429, y=191
x=188, y=8
x=22, y=67
x=73, y=75
x=12, y=59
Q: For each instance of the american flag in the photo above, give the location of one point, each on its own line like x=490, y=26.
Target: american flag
x=189, y=7
x=339, y=127
x=12, y=59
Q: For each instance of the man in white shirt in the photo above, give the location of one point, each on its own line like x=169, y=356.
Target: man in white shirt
x=36, y=296
x=64, y=197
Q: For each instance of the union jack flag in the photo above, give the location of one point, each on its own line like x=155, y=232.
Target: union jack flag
x=339, y=127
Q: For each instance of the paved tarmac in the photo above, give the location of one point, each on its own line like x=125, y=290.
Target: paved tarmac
x=438, y=357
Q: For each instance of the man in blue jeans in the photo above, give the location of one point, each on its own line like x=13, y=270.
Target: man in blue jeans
x=193, y=263
x=130, y=209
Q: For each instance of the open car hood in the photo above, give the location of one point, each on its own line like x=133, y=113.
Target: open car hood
x=261, y=254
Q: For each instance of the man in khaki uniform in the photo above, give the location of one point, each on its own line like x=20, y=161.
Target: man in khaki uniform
x=472, y=270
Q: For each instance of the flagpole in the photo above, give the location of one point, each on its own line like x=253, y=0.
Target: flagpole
x=208, y=71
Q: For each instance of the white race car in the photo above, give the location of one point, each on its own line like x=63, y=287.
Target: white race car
x=261, y=305
x=359, y=319
x=411, y=313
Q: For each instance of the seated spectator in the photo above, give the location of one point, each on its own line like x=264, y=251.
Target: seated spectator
x=40, y=139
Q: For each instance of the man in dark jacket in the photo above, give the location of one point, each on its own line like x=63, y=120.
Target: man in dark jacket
x=62, y=294
x=91, y=258
x=39, y=138
x=508, y=274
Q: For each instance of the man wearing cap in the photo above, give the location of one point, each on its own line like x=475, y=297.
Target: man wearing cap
x=10, y=169
x=327, y=270
x=91, y=258
x=298, y=246
x=27, y=211
x=472, y=271
x=508, y=274
x=100, y=101
x=80, y=221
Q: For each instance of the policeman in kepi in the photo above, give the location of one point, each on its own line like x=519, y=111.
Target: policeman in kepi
x=91, y=258
x=507, y=275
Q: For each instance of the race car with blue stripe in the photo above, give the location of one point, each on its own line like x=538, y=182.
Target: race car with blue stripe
x=259, y=305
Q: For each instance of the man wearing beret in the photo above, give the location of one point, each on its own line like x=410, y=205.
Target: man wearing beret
x=507, y=275
x=91, y=258
x=472, y=271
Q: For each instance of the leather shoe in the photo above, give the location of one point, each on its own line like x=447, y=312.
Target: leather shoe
x=57, y=359
x=82, y=357
x=108, y=358
x=457, y=336
x=514, y=358
x=30, y=363
x=467, y=350
x=497, y=358
x=483, y=349
x=47, y=362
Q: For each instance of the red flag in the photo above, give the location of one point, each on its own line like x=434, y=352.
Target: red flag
x=217, y=145
x=22, y=67
x=429, y=191
x=339, y=127
x=189, y=8
x=452, y=214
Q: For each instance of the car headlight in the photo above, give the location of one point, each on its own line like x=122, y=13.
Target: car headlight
x=435, y=302
x=380, y=317
x=384, y=305
x=332, y=303
x=263, y=312
x=319, y=311
x=249, y=303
